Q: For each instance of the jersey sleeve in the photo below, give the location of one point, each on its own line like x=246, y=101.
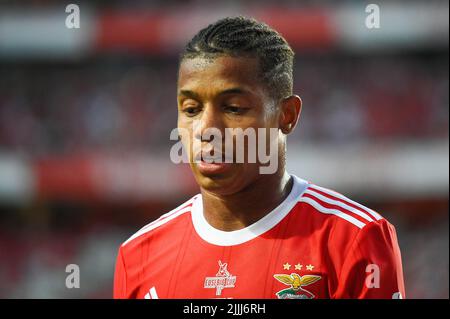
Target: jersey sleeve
x=120, y=278
x=373, y=268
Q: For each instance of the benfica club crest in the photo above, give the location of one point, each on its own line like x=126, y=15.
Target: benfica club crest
x=296, y=284
x=223, y=279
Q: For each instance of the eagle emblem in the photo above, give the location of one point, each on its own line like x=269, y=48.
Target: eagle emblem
x=295, y=283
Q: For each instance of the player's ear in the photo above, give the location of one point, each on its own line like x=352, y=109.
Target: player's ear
x=291, y=108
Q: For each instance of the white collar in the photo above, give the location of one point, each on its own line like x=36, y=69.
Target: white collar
x=223, y=238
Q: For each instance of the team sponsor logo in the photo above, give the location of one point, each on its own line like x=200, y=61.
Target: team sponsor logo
x=223, y=279
x=296, y=284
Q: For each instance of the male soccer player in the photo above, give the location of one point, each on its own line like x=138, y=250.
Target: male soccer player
x=249, y=234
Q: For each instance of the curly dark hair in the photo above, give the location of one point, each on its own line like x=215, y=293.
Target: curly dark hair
x=246, y=37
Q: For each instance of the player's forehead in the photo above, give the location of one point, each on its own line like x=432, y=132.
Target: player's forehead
x=204, y=74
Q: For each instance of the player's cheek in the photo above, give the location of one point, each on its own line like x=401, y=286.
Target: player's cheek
x=190, y=150
x=187, y=145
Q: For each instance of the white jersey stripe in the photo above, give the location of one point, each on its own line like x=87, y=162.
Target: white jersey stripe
x=341, y=204
x=157, y=224
x=340, y=196
x=162, y=217
x=336, y=212
x=173, y=211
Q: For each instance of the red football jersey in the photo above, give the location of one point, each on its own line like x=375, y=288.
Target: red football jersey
x=315, y=244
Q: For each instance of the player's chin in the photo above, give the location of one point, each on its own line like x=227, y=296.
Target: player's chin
x=223, y=180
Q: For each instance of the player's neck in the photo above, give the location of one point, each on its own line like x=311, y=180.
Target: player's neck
x=240, y=210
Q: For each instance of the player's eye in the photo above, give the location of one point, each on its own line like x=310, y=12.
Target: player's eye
x=234, y=109
x=191, y=110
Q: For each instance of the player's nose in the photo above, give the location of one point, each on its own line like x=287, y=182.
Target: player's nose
x=210, y=124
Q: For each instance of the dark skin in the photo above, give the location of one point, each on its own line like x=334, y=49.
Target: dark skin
x=227, y=92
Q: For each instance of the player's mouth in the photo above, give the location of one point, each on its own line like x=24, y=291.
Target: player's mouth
x=208, y=165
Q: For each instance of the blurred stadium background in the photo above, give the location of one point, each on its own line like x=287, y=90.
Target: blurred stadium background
x=85, y=117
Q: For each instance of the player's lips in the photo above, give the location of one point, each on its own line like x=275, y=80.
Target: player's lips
x=212, y=168
x=217, y=158
x=212, y=165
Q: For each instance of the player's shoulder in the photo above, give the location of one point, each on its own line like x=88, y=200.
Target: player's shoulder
x=339, y=222
x=330, y=206
x=163, y=222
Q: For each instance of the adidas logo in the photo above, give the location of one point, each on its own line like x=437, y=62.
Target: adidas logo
x=151, y=294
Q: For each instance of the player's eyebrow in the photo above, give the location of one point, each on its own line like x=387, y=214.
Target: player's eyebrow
x=196, y=96
x=189, y=94
x=234, y=91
